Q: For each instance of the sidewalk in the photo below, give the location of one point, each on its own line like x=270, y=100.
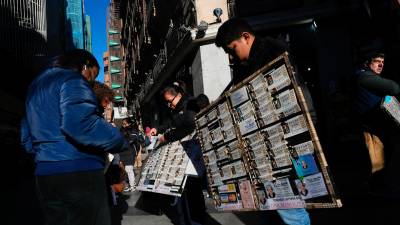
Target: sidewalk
x=365, y=210
x=135, y=216
x=359, y=206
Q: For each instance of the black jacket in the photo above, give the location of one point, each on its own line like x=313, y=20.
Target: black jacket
x=135, y=140
x=181, y=125
x=262, y=51
x=371, y=89
x=182, y=122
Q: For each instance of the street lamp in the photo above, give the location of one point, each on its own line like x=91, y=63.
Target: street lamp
x=218, y=12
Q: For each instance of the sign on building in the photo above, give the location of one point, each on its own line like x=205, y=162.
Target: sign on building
x=120, y=112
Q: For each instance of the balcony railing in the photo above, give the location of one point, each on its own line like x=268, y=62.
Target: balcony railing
x=115, y=71
x=159, y=63
x=115, y=86
x=112, y=43
x=174, y=37
x=114, y=58
x=118, y=98
x=112, y=32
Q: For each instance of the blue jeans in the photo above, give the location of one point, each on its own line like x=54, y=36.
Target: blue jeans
x=294, y=216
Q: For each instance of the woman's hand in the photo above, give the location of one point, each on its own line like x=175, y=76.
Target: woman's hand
x=153, y=132
x=161, y=139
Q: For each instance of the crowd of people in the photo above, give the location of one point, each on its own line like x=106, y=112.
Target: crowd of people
x=83, y=162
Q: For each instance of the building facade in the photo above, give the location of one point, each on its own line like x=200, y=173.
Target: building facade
x=88, y=34
x=23, y=43
x=108, y=112
x=23, y=25
x=137, y=45
x=74, y=24
x=165, y=42
x=116, y=63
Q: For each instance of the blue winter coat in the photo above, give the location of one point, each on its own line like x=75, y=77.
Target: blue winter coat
x=63, y=127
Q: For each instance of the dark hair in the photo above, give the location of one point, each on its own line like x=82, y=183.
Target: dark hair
x=132, y=122
x=170, y=89
x=102, y=91
x=173, y=89
x=231, y=30
x=128, y=120
x=202, y=101
x=75, y=60
x=198, y=103
x=370, y=56
x=180, y=86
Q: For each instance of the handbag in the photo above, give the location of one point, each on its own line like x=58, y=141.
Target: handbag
x=375, y=150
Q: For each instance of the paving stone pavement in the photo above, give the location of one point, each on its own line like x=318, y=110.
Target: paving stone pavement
x=137, y=216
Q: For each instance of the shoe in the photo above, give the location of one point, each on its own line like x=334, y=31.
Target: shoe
x=127, y=189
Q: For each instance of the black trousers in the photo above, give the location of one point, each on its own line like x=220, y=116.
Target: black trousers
x=377, y=122
x=78, y=198
x=195, y=200
x=189, y=209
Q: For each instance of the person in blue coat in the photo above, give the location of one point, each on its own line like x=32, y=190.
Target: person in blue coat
x=64, y=129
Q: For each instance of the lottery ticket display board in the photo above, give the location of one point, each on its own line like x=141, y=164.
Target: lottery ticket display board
x=165, y=171
x=260, y=146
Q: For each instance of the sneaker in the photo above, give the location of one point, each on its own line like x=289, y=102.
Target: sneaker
x=127, y=189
